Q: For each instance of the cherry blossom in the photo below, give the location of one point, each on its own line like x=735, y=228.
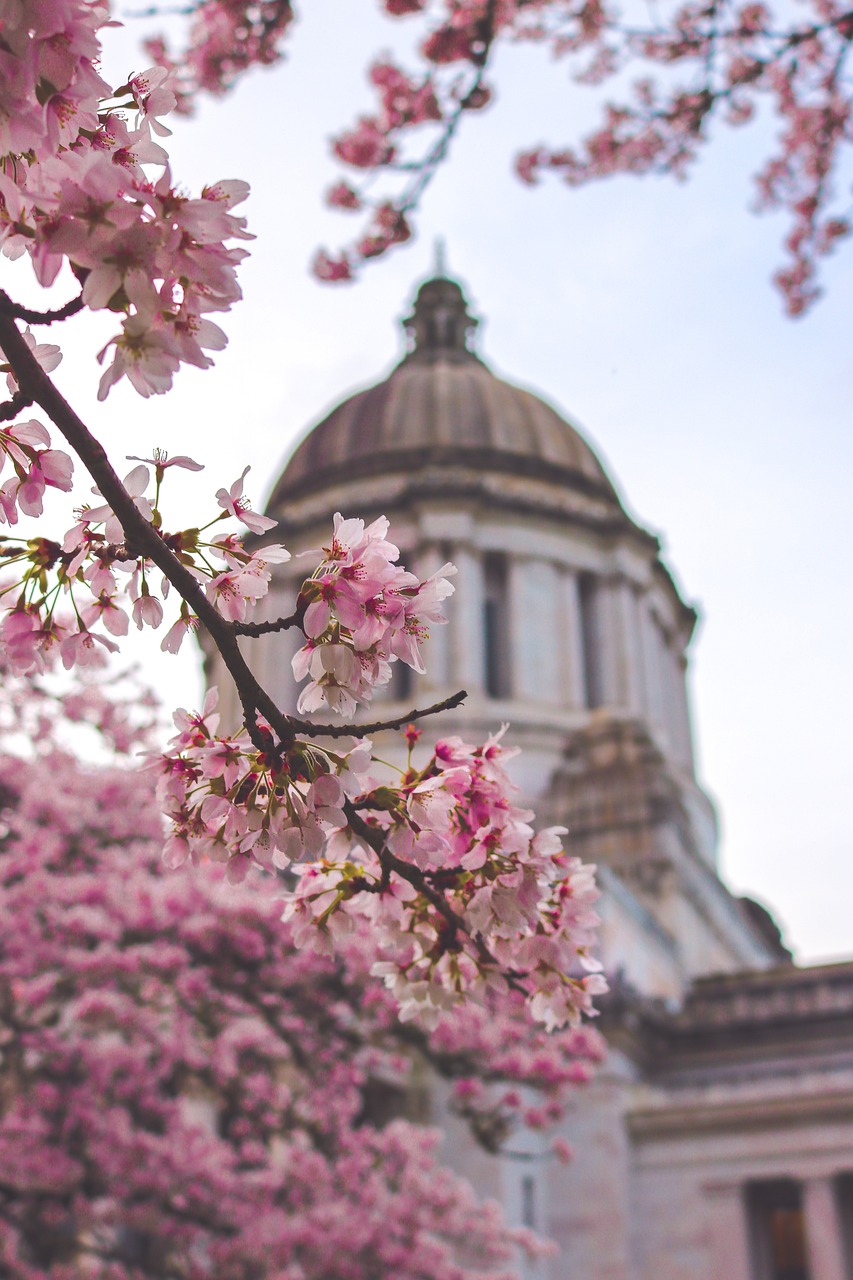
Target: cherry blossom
x=37, y=467
x=233, y=502
x=675, y=76
x=181, y=1082
x=72, y=188
x=457, y=900
x=106, y=586
x=492, y=898
x=361, y=613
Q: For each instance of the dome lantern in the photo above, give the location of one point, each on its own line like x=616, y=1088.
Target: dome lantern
x=440, y=326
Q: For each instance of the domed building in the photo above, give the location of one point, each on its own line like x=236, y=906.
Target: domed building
x=717, y=1143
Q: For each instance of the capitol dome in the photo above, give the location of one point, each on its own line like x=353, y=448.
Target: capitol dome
x=566, y=624
x=442, y=407
x=720, y=1097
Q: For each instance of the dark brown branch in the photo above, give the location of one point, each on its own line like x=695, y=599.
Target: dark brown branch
x=264, y=628
x=377, y=726
x=10, y=408
x=140, y=533
x=14, y=309
x=144, y=541
x=374, y=838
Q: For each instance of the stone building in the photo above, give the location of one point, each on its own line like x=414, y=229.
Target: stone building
x=717, y=1142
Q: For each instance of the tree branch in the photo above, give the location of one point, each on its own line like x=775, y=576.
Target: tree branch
x=377, y=726
x=374, y=838
x=140, y=533
x=265, y=628
x=14, y=309
x=146, y=542
x=10, y=408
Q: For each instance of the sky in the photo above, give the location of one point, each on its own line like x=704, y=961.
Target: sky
x=643, y=310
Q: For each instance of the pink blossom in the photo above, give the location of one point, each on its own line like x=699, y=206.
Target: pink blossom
x=46, y=353
x=161, y=462
x=147, y=611
x=365, y=146
x=342, y=196
x=332, y=270
x=232, y=501
x=79, y=648
x=174, y=637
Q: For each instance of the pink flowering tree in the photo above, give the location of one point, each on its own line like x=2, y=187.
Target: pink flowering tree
x=186, y=1091
x=223, y=968
x=678, y=72
x=463, y=901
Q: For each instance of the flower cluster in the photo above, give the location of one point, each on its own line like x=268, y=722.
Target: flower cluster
x=36, y=467
x=73, y=188
x=226, y=38
x=696, y=63
x=92, y=571
x=362, y=612
x=461, y=896
x=230, y=803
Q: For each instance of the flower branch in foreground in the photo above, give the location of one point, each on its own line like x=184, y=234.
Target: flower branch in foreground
x=461, y=895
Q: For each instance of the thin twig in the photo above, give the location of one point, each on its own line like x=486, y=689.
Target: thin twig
x=374, y=837
x=15, y=309
x=10, y=409
x=264, y=628
x=377, y=726
x=139, y=532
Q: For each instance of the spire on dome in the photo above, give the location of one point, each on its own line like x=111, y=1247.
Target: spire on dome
x=440, y=325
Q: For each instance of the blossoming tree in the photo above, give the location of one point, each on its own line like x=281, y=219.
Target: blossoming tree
x=186, y=1092
x=678, y=71
x=464, y=902
x=188, y=1036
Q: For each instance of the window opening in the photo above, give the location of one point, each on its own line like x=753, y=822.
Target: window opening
x=778, y=1230
x=496, y=626
x=844, y=1204
x=528, y=1200
x=402, y=681
x=590, y=605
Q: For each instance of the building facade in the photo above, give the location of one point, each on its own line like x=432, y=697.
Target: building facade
x=717, y=1142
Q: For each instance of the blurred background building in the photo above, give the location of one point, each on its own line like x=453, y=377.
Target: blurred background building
x=717, y=1141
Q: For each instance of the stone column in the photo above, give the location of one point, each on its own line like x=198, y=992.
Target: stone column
x=630, y=656
x=533, y=631
x=729, y=1234
x=669, y=691
x=651, y=667
x=569, y=624
x=466, y=645
x=684, y=735
x=824, y=1237
x=603, y=650
x=617, y=639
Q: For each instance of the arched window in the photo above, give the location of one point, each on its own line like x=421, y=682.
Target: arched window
x=496, y=626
